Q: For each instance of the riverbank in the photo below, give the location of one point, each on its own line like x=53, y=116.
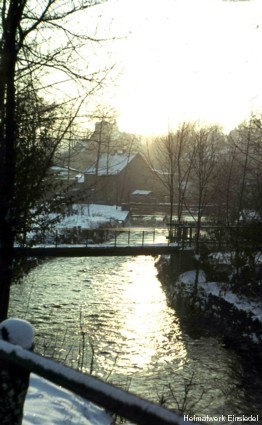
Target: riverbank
x=217, y=311
x=235, y=317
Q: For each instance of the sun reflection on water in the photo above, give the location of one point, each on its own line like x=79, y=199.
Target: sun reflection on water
x=147, y=328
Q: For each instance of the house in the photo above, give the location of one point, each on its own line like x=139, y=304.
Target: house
x=106, y=138
x=112, y=178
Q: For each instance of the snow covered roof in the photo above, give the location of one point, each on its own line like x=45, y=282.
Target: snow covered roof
x=141, y=192
x=63, y=173
x=111, y=164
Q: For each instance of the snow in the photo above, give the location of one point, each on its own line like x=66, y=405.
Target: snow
x=18, y=332
x=49, y=403
x=111, y=164
x=80, y=178
x=65, y=408
x=141, y=192
x=240, y=302
x=62, y=406
x=88, y=216
x=91, y=216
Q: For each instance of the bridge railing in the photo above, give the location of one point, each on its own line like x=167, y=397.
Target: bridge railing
x=120, y=236
x=103, y=394
x=182, y=235
x=218, y=237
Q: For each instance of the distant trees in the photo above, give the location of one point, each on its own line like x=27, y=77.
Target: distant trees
x=246, y=140
x=207, y=173
x=186, y=163
x=201, y=167
x=243, y=182
x=172, y=160
x=206, y=146
x=39, y=47
x=239, y=180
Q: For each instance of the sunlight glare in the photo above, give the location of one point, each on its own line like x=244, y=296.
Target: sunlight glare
x=187, y=60
x=147, y=327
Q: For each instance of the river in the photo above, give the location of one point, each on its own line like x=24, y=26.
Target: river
x=110, y=316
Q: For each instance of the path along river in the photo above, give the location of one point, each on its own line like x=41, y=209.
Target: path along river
x=111, y=315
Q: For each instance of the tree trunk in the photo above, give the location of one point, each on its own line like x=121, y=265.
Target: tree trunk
x=8, y=57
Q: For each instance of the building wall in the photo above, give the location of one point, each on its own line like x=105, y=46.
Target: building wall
x=116, y=189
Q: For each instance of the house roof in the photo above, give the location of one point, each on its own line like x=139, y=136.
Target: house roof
x=63, y=173
x=111, y=164
x=140, y=192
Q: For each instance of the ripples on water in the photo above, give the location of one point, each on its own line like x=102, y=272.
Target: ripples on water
x=111, y=314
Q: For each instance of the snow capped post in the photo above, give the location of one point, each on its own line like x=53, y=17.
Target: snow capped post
x=14, y=380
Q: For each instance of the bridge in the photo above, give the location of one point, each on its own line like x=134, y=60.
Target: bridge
x=119, y=242
x=135, y=241
x=95, y=251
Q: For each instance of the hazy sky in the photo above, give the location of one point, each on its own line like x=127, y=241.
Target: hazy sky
x=185, y=60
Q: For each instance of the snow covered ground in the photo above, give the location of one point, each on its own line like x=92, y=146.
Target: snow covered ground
x=92, y=216
x=48, y=404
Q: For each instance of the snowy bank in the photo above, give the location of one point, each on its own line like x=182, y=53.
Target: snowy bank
x=236, y=317
x=239, y=317
x=253, y=308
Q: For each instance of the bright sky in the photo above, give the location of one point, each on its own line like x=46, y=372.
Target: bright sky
x=185, y=60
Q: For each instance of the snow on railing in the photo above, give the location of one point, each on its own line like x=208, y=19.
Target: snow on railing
x=103, y=394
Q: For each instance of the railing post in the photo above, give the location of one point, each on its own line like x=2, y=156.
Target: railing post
x=128, y=239
x=154, y=236
x=115, y=238
x=220, y=239
x=183, y=237
x=143, y=237
x=14, y=380
x=190, y=236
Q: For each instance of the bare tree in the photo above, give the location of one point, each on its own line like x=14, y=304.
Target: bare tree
x=245, y=188
x=204, y=171
x=249, y=148
x=35, y=39
x=246, y=157
x=172, y=160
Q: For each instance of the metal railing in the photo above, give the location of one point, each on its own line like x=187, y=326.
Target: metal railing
x=103, y=394
x=143, y=241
